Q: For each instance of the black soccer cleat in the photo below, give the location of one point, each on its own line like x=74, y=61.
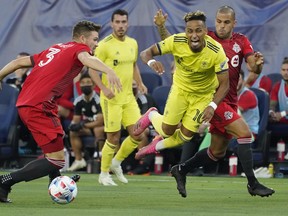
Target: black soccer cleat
x=180, y=180
x=4, y=191
x=260, y=190
x=76, y=177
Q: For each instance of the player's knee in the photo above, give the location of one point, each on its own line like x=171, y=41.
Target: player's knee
x=168, y=130
x=217, y=153
x=184, y=137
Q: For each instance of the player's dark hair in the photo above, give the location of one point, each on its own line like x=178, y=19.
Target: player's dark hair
x=120, y=12
x=84, y=28
x=196, y=15
x=23, y=54
x=227, y=9
x=85, y=75
x=285, y=60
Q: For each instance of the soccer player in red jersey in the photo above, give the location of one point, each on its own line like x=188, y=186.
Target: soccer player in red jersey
x=226, y=122
x=53, y=71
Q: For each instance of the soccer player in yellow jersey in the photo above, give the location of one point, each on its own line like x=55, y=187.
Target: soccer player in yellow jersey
x=200, y=82
x=119, y=52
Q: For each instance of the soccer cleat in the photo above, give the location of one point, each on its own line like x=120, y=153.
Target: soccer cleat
x=180, y=180
x=75, y=177
x=260, y=190
x=77, y=164
x=143, y=122
x=4, y=191
x=106, y=180
x=117, y=170
x=149, y=149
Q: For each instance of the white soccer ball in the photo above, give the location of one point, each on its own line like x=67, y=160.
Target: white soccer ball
x=63, y=190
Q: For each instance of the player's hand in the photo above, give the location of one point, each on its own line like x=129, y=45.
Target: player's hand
x=108, y=93
x=142, y=88
x=157, y=67
x=259, y=58
x=114, y=82
x=160, y=18
x=208, y=114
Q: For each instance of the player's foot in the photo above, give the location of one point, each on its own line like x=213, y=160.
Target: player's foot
x=143, y=122
x=4, y=191
x=149, y=149
x=77, y=164
x=260, y=190
x=75, y=177
x=180, y=180
x=117, y=170
x=106, y=180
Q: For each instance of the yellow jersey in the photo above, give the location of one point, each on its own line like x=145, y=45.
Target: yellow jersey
x=120, y=56
x=195, y=72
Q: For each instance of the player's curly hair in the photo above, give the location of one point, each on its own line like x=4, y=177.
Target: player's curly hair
x=196, y=15
x=85, y=27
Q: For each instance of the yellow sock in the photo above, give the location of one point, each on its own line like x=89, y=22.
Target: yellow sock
x=127, y=147
x=108, y=152
x=176, y=139
x=156, y=120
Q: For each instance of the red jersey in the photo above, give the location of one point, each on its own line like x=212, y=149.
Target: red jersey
x=54, y=70
x=237, y=48
x=247, y=100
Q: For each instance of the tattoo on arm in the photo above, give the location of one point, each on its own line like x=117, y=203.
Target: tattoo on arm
x=163, y=32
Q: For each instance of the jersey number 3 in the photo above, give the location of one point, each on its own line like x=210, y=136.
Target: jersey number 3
x=49, y=57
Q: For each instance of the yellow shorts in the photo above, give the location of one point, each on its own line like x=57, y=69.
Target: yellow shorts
x=116, y=115
x=186, y=107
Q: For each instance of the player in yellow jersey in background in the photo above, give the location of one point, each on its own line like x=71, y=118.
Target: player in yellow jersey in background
x=120, y=52
x=200, y=82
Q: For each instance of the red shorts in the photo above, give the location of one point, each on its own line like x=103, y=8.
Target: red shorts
x=223, y=116
x=43, y=122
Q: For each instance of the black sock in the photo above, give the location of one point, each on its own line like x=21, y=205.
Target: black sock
x=54, y=174
x=200, y=159
x=245, y=156
x=33, y=170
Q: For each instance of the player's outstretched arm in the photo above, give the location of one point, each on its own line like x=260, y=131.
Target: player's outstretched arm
x=222, y=90
x=97, y=80
x=96, y=64
x=159, y=21
x=24, y=62
x=147, y=57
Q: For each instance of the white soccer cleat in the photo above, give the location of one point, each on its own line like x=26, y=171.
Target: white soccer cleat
x=106, y=180
x=77, y=164
x=117, y=170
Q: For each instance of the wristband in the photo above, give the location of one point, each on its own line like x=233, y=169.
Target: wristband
x=150, y=62
x=213, y=105
x=283, y=113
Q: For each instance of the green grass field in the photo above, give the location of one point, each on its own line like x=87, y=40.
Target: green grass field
x=150, y=195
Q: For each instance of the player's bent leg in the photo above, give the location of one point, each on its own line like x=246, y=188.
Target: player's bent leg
x=244, y=152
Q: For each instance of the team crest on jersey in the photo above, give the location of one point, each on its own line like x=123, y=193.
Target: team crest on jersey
x=228, y=115
x=204, y=64
x=236, y=47
x=94, y=109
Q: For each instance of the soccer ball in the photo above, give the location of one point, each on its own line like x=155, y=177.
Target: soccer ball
x=63, y=190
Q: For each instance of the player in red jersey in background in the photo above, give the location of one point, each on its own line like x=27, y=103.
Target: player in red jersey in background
x=259, y=81
x=226, y=122
x=53, y=71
